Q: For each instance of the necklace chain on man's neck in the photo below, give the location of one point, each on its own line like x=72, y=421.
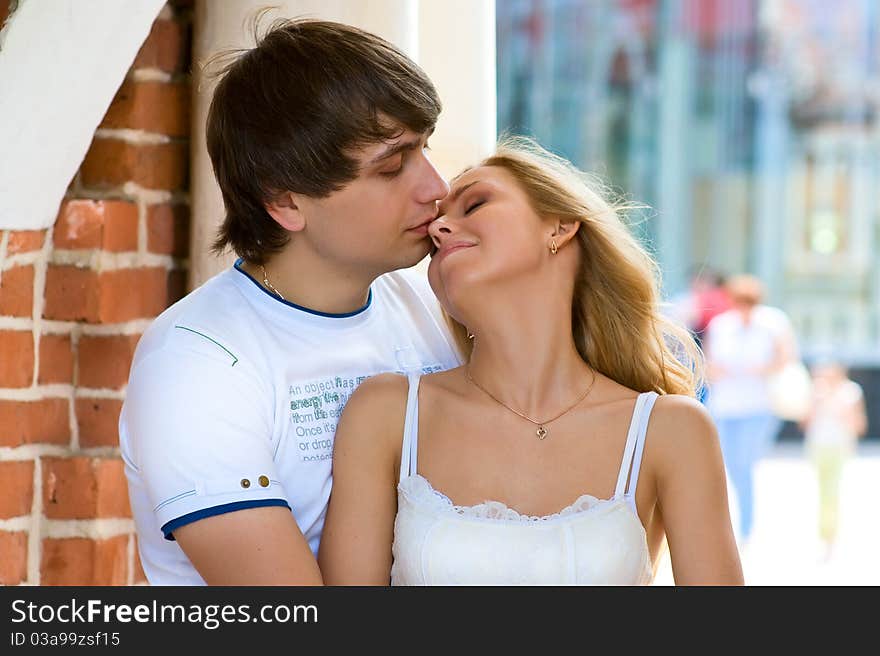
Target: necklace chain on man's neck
x=542, y=430
x=269, y=285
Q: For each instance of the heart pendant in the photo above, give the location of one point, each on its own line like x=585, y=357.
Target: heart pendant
x=542, y=433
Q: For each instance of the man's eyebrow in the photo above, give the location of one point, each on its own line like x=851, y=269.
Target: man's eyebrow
x=454, y=196
x=393, y=150
x=400, y=147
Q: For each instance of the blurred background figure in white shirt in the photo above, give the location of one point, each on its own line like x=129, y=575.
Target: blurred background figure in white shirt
x=745, y=347
x=836, y=420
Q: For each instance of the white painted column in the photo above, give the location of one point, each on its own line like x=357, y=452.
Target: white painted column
x=457, y=51
x=226, y=25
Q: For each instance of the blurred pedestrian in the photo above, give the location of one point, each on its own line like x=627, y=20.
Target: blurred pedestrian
x=835, y=422
x=705, y=298
x=711, y=299
x=745, y=347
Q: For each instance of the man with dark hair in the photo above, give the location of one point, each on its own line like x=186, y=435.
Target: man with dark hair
x=318, y=140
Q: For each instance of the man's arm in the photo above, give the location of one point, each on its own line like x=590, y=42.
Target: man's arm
x=257, y=546
x=193, y=439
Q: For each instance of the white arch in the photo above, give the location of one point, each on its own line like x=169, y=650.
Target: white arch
x=61, y=63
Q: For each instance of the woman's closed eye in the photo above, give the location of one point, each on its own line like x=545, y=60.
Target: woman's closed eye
x=473, y=206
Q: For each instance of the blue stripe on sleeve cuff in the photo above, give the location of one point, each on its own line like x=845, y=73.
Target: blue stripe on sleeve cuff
x=168, y=529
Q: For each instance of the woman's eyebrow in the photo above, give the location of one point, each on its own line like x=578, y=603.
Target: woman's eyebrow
x=453, y=196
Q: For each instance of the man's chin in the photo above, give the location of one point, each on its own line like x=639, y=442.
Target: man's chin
x=416, y=254
x=405, y=257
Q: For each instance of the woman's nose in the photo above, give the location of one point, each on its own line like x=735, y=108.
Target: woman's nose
x=439, y=229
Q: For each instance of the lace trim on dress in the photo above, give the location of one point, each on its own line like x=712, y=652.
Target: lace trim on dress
x=418, y=489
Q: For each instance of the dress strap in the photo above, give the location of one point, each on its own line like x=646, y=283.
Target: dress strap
x=409, y=458
x=635, y=445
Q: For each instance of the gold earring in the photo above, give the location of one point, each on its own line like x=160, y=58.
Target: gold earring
x=553, y=246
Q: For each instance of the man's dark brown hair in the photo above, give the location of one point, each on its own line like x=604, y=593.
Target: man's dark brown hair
x=287, y=114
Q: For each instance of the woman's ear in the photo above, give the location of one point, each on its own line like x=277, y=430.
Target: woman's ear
x=564, y=231
x=284, y=209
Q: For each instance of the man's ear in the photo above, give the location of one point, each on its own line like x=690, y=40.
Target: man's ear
x=564, y=231
x=284, y=209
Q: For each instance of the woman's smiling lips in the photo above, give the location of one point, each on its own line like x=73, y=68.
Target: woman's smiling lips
x=451, y=248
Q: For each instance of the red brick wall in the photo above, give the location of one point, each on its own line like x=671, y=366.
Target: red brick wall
x=74, y=300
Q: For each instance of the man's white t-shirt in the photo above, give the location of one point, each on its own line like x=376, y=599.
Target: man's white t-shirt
x=234, y=396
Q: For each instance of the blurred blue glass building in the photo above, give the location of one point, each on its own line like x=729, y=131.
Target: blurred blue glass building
x=750, y=128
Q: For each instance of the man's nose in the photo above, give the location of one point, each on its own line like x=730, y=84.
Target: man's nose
x=434, y=187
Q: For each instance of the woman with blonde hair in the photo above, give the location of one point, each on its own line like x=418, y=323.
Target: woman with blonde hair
x=569, y=444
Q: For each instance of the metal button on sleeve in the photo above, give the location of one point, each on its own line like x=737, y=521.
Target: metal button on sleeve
x=245, y=483
x=264, y=481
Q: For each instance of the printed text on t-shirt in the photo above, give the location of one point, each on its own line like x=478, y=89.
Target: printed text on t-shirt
x=315, y=408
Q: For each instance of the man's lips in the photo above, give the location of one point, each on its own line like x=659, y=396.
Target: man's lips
x=421, y=228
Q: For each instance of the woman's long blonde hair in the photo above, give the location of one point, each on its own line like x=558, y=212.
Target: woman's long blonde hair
x=615, y=312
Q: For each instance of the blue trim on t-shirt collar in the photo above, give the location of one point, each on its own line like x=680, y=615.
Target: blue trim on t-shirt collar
x=344, y=315
x=169, y=527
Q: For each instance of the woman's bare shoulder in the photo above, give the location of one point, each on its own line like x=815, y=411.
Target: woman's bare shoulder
x=678, y=416
x=388, y=387
x=681, y=431
x=386, y=394
x=376, y=410
x=447, y=379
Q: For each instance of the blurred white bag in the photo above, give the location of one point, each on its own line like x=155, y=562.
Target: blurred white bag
x=790, y=392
